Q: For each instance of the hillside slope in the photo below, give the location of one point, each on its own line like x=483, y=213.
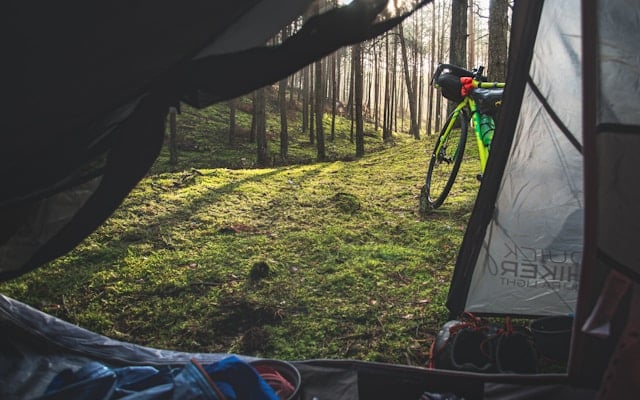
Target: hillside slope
x=326, y=260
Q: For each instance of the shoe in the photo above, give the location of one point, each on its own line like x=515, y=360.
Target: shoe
x=464, y=345
x=440, y=353
x=514, y=351
x=470, y=351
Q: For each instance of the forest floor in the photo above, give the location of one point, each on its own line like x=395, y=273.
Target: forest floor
x=299, y=261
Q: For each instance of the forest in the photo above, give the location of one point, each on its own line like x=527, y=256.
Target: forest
x=285, y=223
x=382, y=86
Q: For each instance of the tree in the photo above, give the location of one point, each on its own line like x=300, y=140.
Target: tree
x=472, y=36
x=411, y=92
x=430, y=106
x=438, y=107
x=319, y=112
x=232, y=121
x=305, y=98
x=173, y=136
x=418, y=61
x=386, y=120
x=458, y=37
x=498, y=35
x=262, y=146
x=282, y=105
x=357, y=97
x=311, y=108
x=393, y=122
x=376, y=88
x=254, y=125
x=334, y=94
x=284, y=128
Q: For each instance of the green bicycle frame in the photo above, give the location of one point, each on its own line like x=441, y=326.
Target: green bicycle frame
x=483, y=151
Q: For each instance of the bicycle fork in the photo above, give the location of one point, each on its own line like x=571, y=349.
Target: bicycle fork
x=441, y=151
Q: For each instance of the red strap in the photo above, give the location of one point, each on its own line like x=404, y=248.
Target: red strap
x=467, y=85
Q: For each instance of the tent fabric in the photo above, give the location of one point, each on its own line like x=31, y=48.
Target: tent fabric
x=529, y=261
x=618, y=135
x=38, y=347
x=606, y=118
x=587, y=209
x=86, y=122
x=523, y=35
x=229, y=378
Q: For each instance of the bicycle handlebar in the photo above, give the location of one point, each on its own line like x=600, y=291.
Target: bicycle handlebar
x=475, y=73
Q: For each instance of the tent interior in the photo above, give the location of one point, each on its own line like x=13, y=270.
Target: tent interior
x=551, y=234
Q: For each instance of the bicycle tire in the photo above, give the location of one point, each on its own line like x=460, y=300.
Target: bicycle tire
x=444, y=167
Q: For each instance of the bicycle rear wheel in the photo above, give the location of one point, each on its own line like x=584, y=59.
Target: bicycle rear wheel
x=445, y=161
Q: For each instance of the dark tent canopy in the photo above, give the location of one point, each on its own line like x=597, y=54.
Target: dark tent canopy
x=89, y=87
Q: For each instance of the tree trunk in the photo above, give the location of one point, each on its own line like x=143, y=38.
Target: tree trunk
x=417, y=68
x=386, y=124
x=402, y=107
x=357, y=75
x=232, y=121
x=334, y=95
x=351, y=104
x=319, y=111
x=339, y=73
x=254, y=121
x=498, y=36
x=458, y=38
x=420, y=92
x=262, y=146
x=472, y=36
x=284, y=128
x=438, y=108
x=282, y=105
x=305, y=99
x=430, y=106
x=292, y=86
x=351, y=86
x=394, y=89
x=173, y=136
x=411, y=94
x=312, y=110
x=376, y=97
x=369, y=85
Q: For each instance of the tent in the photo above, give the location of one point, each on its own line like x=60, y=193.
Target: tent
x=89, y=89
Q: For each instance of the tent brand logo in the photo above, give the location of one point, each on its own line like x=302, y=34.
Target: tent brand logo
x=539, y=268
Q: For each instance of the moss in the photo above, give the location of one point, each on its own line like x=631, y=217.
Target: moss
x=354, y=270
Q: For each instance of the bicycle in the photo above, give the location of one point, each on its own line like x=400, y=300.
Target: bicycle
x=478, y=103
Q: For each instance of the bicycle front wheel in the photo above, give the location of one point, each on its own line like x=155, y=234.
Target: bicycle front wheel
x=445, y=160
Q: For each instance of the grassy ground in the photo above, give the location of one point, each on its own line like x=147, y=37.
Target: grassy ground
x=312, y=260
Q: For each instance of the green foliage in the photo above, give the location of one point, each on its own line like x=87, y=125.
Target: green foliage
x=352, y=270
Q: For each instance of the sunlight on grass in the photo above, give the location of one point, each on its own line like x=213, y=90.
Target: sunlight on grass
x=322, y=260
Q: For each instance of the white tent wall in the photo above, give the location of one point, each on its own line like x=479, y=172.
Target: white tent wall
x=577, y=106
x=530, y=259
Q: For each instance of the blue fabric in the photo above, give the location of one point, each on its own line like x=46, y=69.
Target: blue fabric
x=233, y=378
x=242, y=377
